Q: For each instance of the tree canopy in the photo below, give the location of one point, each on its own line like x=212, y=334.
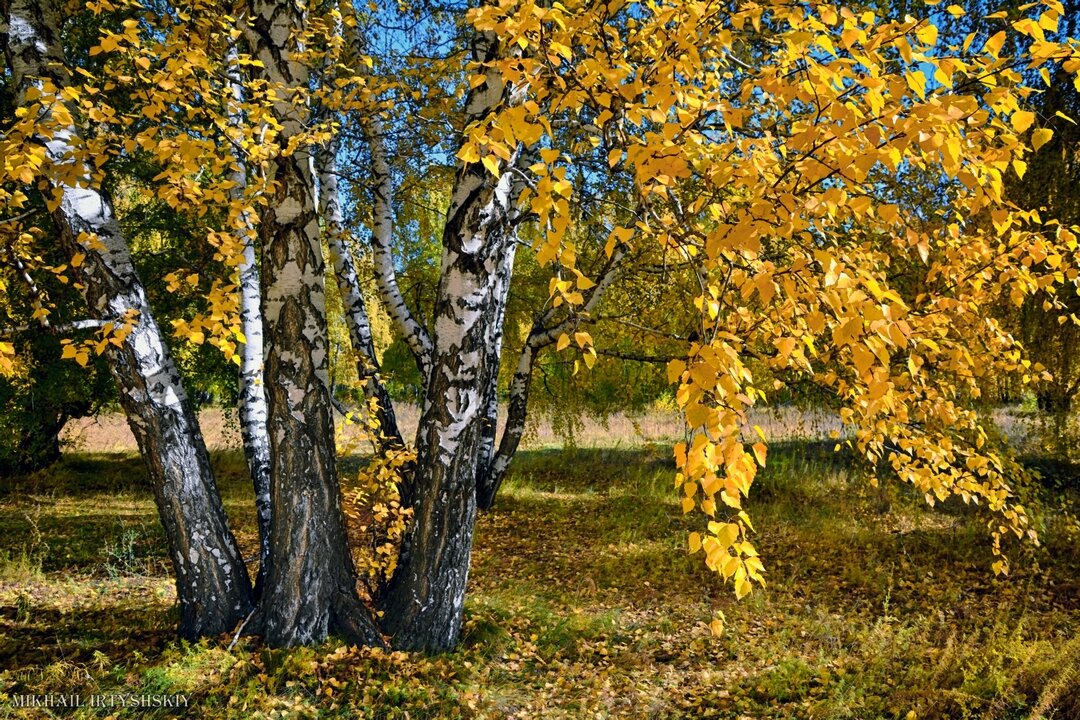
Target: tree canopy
x=755, y=196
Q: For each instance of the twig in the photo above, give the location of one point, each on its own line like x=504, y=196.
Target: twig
x=239, y=630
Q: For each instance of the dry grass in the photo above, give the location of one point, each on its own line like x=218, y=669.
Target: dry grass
x=109, y=432
x=583, y=602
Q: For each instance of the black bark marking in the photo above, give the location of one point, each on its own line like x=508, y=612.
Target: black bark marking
x=213, y=588
x=311, y=582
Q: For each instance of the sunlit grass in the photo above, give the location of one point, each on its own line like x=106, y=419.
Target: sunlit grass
x=583, y=603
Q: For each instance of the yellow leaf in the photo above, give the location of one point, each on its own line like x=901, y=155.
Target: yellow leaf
x=917, y=82
x=726, y=533
x=927, y=34
x=582, y=339
x=492, y=164
x=695, y=542
x=468, y=153
x=994, y=44
x=1040, y=137
x=563, y=343
x=1022, y=120
x=675, y=369
x=862, y=358
x=622, y=234
x=687, y=504
x=760, y=452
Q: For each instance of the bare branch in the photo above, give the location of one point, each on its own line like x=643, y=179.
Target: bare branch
x=405, y=323
x=72, y=326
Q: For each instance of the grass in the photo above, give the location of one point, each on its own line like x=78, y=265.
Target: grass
x=583, y=604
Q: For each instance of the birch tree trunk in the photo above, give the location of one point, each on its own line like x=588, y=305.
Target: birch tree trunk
x=489, y=428
x=382, y=235
x=491, y=475
x=252, y=401
x=352, y=299
x=311, y=582
x=212, y=584
x=425, y=600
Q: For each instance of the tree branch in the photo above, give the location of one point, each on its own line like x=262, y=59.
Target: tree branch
x=72, y=326
x=539, y=338
x=417, y=338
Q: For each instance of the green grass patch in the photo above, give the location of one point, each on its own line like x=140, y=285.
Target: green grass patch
x=583, y=604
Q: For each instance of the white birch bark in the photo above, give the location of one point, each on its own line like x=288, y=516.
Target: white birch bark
x=252, y=401
x=310, y=588
x=213, y=588
x=489, y=428
x=417, y=338
x=425, y=600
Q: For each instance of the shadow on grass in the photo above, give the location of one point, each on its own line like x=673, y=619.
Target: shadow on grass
x=76, y=540
x=79, y=474
x=36, y=636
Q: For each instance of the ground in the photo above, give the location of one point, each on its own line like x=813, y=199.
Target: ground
x=583, y=602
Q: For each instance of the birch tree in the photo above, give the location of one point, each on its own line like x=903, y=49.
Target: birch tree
x=310, y=587
x=212, y=583
x=357, y=320
x=757, y=147
x=252, y=408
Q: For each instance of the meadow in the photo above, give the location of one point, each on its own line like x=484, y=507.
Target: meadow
x=583, y=600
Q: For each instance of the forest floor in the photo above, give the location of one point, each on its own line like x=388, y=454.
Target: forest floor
x=583, y=602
